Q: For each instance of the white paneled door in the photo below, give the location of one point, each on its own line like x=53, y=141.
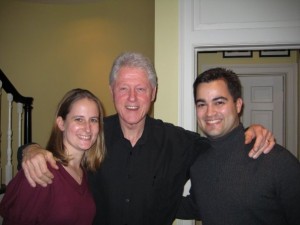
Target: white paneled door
x=263, y=97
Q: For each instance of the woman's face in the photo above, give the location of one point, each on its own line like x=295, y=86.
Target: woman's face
x=81, y=126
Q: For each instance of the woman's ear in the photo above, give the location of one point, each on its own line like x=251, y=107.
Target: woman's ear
x=60, y=123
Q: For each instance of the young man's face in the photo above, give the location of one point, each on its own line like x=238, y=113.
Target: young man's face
x=217, y=113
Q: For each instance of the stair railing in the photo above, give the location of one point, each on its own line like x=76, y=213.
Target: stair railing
x=24, y=108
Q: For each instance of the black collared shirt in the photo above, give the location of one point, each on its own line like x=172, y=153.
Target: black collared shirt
x=143, y=185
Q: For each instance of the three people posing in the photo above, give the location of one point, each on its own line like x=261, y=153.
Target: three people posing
x=147, y=164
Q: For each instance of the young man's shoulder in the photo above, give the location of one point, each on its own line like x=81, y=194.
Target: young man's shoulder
x=282, y=154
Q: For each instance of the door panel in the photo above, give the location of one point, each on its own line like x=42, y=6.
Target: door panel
x=263, y=97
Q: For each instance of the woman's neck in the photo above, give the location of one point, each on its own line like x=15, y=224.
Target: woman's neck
x=75, y=171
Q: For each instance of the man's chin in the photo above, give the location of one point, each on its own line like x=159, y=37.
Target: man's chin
x=213, y=134
x=133, y=122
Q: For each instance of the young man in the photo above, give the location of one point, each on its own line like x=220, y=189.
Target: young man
x=142, y=178
x=228, y=187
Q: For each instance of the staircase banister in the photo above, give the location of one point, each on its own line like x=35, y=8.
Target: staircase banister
x=9, y=88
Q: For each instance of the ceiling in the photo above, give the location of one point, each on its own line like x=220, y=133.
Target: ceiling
x=61, y=1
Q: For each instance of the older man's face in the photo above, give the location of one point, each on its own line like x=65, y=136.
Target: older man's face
x=133, y=95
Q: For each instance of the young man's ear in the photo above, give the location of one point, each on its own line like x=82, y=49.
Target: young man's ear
x=239, y=105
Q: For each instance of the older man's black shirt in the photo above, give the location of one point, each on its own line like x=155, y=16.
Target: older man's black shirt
x=143, y=185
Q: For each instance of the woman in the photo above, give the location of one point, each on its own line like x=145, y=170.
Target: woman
x=77, y=143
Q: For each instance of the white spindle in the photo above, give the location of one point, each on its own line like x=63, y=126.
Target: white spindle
x=8, y=166
x=184, y=222
x=0, y=133
x=20, y=111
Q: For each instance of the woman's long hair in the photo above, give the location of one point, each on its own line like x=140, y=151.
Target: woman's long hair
x=94, y=156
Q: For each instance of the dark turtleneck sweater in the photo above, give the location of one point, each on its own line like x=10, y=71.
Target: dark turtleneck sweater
x=229, y=188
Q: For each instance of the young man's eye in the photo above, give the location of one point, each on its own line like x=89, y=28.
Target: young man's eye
x=220, y=103
x=200, y=105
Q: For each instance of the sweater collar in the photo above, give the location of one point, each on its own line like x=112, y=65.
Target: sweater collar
x=232, y=137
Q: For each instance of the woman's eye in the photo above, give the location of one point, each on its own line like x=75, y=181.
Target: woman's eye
x=95, y=120
x=78, y=119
